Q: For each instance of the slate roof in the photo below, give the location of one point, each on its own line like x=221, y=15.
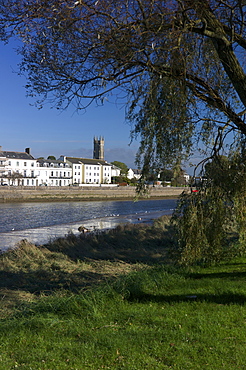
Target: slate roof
x=87, y=161
x=16, y=155
x=52, y=163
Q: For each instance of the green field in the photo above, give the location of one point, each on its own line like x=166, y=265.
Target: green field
x=113, y=310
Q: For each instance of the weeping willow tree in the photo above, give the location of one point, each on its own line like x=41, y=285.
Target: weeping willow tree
x=178, y=66
x=210, y=224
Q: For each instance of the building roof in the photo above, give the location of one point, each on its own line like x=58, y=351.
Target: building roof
x=87, y=161
x=137, y=171
x=16, y=155
x=51, y=163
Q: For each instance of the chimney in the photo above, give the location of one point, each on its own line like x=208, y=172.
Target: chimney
x=28, y=150
x=1, y=148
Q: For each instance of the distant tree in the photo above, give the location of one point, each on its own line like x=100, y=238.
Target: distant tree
x=123, y=167
x=179, y=179
x=51, y=157
x=217, y=170
x=121, y=180
x=166, y=175
x=174, y=175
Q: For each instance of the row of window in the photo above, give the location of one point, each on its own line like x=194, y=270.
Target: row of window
x=32, y=164
x=24, y=173
x=18, y=164
x=56, y=174
x=65, y=174
x=89, y=168
x=60, y=182
x=53, y=165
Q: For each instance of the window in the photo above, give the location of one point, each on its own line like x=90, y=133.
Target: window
x=9, y=163
x=52, y=173
x=27, y=182
x=24, y=173
x=32, y=173
x=17, y=164
x=32, y=164
x=64, y=174
x=25, y=164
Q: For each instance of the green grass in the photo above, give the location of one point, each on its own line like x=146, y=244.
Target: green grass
x=134, y=315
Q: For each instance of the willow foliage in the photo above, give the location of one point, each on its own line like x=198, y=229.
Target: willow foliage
x=210, y=223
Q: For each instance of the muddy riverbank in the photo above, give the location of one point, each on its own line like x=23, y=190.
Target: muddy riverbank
x=49, y=194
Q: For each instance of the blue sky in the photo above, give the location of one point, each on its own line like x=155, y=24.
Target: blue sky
x=51, y=132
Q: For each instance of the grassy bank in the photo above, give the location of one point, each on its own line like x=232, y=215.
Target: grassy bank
x=110, y=302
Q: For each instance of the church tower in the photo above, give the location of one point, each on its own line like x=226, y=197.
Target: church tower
x=98, y=152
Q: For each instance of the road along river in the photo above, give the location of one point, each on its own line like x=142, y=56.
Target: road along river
x=41, y=222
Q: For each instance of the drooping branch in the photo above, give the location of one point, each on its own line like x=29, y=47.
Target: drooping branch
x=86, y=49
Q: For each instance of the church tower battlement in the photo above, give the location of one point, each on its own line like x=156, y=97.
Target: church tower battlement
x=98, y=152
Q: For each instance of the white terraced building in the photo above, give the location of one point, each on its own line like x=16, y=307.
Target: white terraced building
x=89, y=171
x=54, y=172
x=18, y=168
x=22, y=169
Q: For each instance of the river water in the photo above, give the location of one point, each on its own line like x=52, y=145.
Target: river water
x=41, y=222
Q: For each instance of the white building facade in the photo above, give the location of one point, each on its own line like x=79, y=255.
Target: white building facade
x=22, y=169
x=54, y=173
x=18, y=168
x=89, y=171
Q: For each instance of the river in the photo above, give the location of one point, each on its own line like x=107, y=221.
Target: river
x=41, y=222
